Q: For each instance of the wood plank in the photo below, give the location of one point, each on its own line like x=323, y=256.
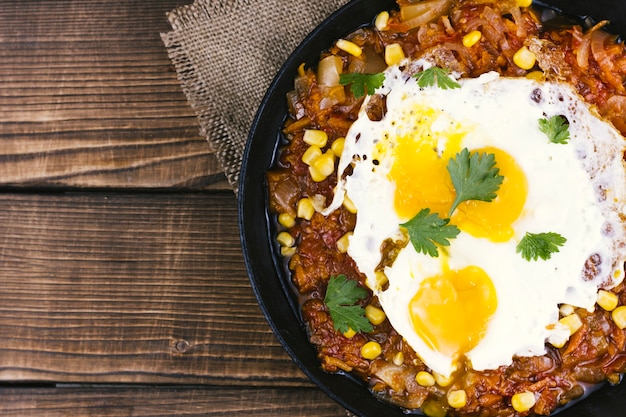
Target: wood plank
x=125, y=288
x=90, y=99
x=161, y=401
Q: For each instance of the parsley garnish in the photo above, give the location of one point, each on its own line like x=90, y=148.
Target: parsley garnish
x=361, y=84
x=540, y=245
x=436, y=76
x=341, y=296
x=474, y=177
x=426, y=229
x=556, y=129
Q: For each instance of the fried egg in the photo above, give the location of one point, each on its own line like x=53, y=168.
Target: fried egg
x=480, y=302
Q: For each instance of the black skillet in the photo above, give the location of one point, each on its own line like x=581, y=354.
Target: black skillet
x=268, y=277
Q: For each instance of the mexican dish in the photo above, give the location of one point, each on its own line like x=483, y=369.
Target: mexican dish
x=449, y=200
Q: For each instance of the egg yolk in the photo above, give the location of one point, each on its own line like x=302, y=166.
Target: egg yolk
x=451, y=311
x=422, y=180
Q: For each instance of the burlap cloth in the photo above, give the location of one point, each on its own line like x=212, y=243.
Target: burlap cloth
x=226, y=53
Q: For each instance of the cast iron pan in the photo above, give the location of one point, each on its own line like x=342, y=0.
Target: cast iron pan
x=268, y=276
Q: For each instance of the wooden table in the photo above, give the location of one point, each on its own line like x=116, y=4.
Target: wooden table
x=123, y=289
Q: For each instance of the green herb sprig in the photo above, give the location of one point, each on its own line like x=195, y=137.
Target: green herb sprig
x=426, y=229
x=362, y=84
x=474, y=176
x=556, y=128
x=540, y=245
x=435, y=76
x=342, y=294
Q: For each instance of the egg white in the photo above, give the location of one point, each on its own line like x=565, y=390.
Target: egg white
x=577, y=190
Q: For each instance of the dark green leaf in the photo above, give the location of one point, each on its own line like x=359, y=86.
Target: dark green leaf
x=474, y=177
x=556, y=129
x=436, y=76
x=362, y=84
x=350, y=317
x=426, y=229
x=341, y=296
x=540, y=245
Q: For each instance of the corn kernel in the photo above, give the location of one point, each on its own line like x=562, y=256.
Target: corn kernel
x=349, y=47
x=398, y=359
x=349, y=333
x=523, y=401
x=286, y=220
x=325, y=163
x=524, y=58
x=371, y=350
x=472, y=38
x=614, y=378
x=381, y=279
x=349, y=204
x=566, y=309
x=457, y=398
x=425, y=379
x=394, y=54
x=375, y=315
x=315, y=137
x=535, y=75
x=434, y=409
x=311, y=154
x=524, y=3
x=344, y=242
x=572, y=321
x=287, y=252
x=337, y=146
x=285, y=239
x=607, y=300
x=382, y=19
x=442, y=380
x=316, y=175
x=619, y=316
x=305, y=208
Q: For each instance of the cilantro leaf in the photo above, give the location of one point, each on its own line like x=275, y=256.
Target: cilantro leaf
x=474, y=177
x=436, y=76
x=556, y=129
x=539, y=245
x=426, y=229
x=362, y=84
x=341, y=296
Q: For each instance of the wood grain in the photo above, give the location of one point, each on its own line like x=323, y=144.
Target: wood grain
x=166, y=402
x=89, y=98
x=124, y=288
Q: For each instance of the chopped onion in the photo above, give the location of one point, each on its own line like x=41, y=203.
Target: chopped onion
x=602, y=57
x=302, y=85
x=521, y=31
x=614, y=109
x=418, y=14
x=292, y=101
x=284, y=192
x=598, y=37
x=357, y=65
x=331, y=96
x=328, y=71
x=582, y=50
